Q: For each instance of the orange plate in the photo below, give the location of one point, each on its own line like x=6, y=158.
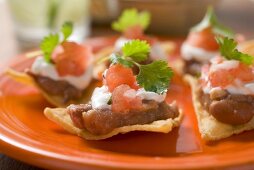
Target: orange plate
x=28, y=136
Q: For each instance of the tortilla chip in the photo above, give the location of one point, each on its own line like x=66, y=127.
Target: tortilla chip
x=53, y=99
x=209, y=127
x=20, y=77
x=247, y=47
x=62, y=118
x=104, y=52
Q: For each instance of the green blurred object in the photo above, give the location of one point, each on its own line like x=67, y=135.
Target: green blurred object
x=36, y=18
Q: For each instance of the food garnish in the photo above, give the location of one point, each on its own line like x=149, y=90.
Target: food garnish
x=131, y=17
x=229, y=51
x=153, y=77
x=50, y=42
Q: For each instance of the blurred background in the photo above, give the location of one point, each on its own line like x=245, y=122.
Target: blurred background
x=23, y=23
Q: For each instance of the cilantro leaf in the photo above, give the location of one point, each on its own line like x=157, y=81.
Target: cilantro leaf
x=226, y=46
x=229, y=51
x=210, y=20
x=131, y=17
x=138, y=50
x=67, y=29
x=48, y=44
x=119, y=60
x=155, y=77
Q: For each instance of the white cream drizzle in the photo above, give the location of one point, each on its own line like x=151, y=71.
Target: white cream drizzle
x=41, y=67
x=225, y=65
x=101, y=96
x=189, y=52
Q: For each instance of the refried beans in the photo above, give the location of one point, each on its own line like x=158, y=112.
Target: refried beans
x=60, y=88
x=103, y=121
x=228, y=108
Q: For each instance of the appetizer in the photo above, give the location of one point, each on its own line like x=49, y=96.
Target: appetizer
x=132, y=25
x=125, y=102
x=200, y=45
x=223, y=96
x=63, y=70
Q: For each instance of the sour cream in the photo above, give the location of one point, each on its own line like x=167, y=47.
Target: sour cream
x=237, y=88
x=148, y=95
x=225, y=65
x=190, y=52
x=101, y=96
x=156, y=53
x=42, y=68
x=241, y=88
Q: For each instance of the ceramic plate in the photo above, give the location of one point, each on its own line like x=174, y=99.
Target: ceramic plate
x=25, y=134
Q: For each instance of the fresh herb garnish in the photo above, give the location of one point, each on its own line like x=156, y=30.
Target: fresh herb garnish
x=50, y=42
x=131, y=17
x=210, y=20
x=229, y=51
x=120, y=59
x=67, y=29
x=132, y=52
x=137, y=50
x=153, y=77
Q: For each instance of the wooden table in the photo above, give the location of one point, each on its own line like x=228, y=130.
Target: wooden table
x=9, y=47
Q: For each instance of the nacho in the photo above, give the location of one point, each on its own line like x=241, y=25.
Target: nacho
x=62, y=69
x=125, y=102
x=55, y=100
x=210, y=128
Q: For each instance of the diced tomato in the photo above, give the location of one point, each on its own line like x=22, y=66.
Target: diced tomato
x=222, y=77
x=136, y=32
x=204, y=39
x=122, y=102
x=244, y=73
x=118, y=75
x=71, y=58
